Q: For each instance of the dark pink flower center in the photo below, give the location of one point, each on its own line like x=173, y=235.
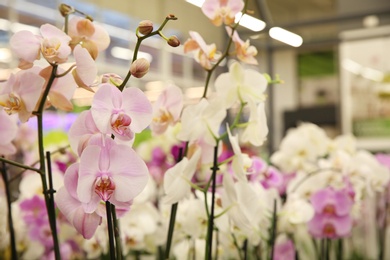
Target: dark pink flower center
x=104, y=187
x=329, y=209
x=329, y=230
x=120, y=124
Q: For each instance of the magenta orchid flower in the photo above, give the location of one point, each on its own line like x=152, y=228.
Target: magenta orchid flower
x=205, y=54
x=21, y=92
x=121, y=113
x=72, y=208
x=222, y=11
x=244, y=51
x=8, y=130
x=116, y=174
x=167, y=109
x=332, y=217
x=53, y=44
x=89, y=35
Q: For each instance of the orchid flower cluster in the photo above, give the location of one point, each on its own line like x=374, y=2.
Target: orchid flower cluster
x=169, y=179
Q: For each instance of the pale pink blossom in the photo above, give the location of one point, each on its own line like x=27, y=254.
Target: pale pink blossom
x=121, y=113
x=222, y=11
x=8, y=131
x=86, y=69
x=53, y=44
x=204, y=54
x=167, y=109
x=83, y=131
x=21, y=92
x=116, y=174
x=244, y=51
x=89, y=35
x=72, y=208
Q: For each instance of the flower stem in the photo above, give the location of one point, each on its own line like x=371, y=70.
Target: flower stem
x=14, y=254
x=53, y=223
x=118, y=243
x=273, y=231
x=42, y=168
x=210, y=223
x=110, y=231
x=26, y=167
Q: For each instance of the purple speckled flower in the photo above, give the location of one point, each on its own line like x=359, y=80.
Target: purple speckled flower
x=332, y=213
x=34, y=211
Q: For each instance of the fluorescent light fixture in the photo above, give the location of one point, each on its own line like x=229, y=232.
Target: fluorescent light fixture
x=127, y=54
x=5, y=55
x=250, y=22
x=285, y=36
x=198, y=3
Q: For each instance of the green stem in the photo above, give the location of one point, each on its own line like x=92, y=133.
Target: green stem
x=14, y=254
x=273, y=231
x=42, y=168
x=26, y=167
x=110, y=231
x=210, y=223
x=118, y=243
x=138, y=45
x=53, y=223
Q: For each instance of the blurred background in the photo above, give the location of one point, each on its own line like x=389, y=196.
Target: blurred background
x=336, y=73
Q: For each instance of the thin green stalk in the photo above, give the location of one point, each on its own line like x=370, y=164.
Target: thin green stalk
x=273, y=231
x=245, y=249
x=138, y=45
x=210, y=223
x=118, y=242
x=14, y=254
x=26, y=167
x=42, y=168
x=171, y=229
x=110, y=231
x=339, y=249
x=53, y=224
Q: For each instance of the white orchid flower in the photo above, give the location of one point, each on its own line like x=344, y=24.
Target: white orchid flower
x=256, y=131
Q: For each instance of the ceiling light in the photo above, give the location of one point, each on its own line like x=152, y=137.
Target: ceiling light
x=250, y=22
x=198, y=3
x=285, y=36
x=127, y=54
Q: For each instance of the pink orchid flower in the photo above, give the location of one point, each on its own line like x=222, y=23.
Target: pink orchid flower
x=8, y=130
x=86, y=69
x=222, y=11
x=21, y=92
x=89, y=35
x=82, y=131
x=244, y=51
x=167, y=109
x=53, y=44
x=121, y=113
x=116, y=174
x=73, y=209
x=204, y=54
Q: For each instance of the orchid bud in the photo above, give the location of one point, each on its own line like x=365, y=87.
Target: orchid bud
x=139, y=67
x=112, y=78
x=65, y=9
x=171, y=17
x=145, y=27
x=173, y=41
